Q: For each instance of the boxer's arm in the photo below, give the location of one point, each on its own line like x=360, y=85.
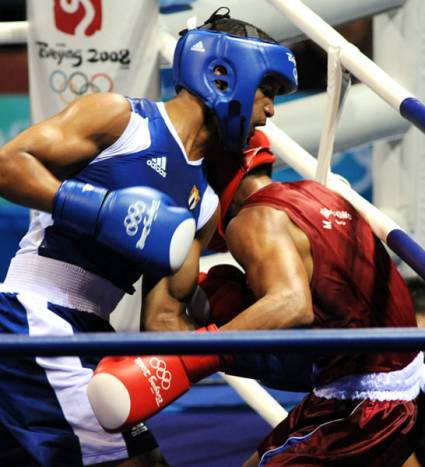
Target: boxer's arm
x=260, y=240
x=221, y=295
x=164, y=301
x=35, y=161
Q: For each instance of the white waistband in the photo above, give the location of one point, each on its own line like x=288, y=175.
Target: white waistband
x=404, y=384
x=62, y=283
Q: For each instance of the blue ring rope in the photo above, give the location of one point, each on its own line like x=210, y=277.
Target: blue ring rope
x=172, y=343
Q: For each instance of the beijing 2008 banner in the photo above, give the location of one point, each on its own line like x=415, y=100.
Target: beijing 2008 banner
x=78, y=47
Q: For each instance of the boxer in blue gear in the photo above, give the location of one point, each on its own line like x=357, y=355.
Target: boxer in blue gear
x=86, y=171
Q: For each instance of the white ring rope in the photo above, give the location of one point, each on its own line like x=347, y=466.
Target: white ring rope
x=258, y=398
x=14, y=32
x=352, y=59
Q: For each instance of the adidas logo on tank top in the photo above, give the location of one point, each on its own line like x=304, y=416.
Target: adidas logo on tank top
x=159, y=164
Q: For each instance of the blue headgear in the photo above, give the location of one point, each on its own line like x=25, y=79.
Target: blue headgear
x=244, y=63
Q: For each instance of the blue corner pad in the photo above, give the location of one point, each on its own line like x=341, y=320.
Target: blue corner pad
x=414, y=111
x=408, y=250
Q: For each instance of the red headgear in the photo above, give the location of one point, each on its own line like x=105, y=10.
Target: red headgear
x=226, y=171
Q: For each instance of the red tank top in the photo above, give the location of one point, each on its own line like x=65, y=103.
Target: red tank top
x=354, y=283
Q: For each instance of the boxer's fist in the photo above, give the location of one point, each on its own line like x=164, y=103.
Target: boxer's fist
x=222, y=294
x=127, y=390
x=141, y=223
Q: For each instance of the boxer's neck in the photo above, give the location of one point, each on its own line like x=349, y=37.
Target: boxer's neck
x=189, y=117
x=249, y=185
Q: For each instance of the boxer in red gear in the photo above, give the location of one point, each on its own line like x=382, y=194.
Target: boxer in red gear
x=313, y=261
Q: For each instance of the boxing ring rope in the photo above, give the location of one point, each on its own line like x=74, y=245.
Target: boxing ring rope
x=360, y=340
x=257, y=398
x=13, y=32
x=353, y=60
x=344, y=57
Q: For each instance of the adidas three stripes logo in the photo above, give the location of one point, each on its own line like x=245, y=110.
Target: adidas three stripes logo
x=159, y=164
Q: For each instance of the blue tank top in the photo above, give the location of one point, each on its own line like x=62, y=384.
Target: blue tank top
x=161, y=163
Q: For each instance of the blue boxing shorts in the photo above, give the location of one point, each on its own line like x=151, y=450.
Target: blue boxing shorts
x=45, y=416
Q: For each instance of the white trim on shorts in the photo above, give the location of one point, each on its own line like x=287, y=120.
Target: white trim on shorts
x=404, y=384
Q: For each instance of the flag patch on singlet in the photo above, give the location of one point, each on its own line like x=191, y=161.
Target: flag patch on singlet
x=194, y=198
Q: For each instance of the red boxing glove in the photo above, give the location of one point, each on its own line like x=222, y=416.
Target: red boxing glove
x=127, y=390
x=221, y=295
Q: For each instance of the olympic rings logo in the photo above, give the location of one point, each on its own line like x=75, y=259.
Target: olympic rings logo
x=78, y=84
x=161, y=372
x=134, y=217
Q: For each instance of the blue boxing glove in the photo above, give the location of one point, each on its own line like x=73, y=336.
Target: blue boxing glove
x=141, y=223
